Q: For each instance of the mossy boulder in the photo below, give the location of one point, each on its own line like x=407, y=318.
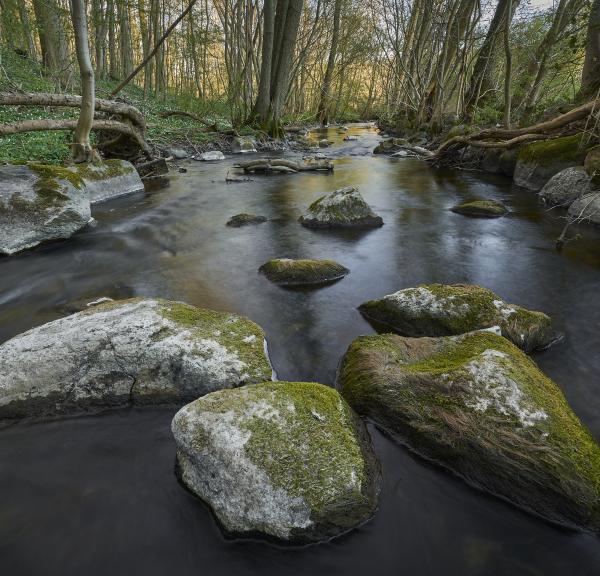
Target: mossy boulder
x=592, y=166
x=539, y=161
x=285, y=460
x=244, y=219
x=344, y=208
x=480, y=407
x=108, y=179
x=586, y=208
x=480, y=208
x=38, y=203
x=565, y=187
x=448, y=309
x=289, y=272
x=508, y=161
x=140, y=351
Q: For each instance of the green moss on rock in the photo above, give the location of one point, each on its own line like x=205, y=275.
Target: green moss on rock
x=301, y=440
x=101, y=171
x=480, y=208
x=480, y=407
x=547, y=152
x=449, y=309
x=289, y=272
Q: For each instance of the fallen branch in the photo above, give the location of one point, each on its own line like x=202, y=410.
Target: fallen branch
x=98, y=125
x=73, y=101
x=282, y=165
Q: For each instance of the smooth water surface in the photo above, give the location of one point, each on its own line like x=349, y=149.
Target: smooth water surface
x=97, y=494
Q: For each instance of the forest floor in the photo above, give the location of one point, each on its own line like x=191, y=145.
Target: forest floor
x=21, y=74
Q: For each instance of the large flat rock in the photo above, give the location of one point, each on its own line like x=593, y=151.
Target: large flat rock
x=140, y=351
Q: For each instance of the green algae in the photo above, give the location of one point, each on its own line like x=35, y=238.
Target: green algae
x=285, y=271
x=480, y=208
x=567, y=149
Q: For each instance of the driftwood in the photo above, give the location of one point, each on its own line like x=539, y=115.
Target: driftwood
x=153, y=168
x=267, y=165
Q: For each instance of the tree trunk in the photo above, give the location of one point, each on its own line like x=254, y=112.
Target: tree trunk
x=81, y=148
x=53, y=39
x=324, y=104
x=508, y=68
x=590, y=77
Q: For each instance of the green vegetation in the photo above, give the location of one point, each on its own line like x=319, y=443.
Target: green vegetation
x=285, y=271
x=556, y=150
x=481, y=208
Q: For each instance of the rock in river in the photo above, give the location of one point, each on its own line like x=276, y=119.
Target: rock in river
x=137, y=351
x=341, y=209
x=289, y=272
x=447, y=309
x=243, y=219
x=480, y=407
x=39, y=202
x=108, y=179
x=479, y=208
x=287, y=460
x=565, y=187
x=586, y=208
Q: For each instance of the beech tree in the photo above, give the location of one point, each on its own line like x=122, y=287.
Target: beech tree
x=590, y=78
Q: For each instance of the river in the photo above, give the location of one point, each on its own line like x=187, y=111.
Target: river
x=96, y=495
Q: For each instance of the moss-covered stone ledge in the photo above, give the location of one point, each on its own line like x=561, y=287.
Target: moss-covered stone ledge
x=283, y=460
x=303, y=272
x=539, y=161
x=448, y=309
x=480, y=208
x=108, y=179
x=480, y=407
x=138, y=351
x=39, y=203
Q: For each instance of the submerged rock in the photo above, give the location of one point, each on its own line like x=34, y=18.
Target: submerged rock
x=243, y=145
x=288, y=460
x=539, y=161
x=38, y=203
x=586, y=208
x=564, y=188
x=480, y=407
x=243, y=219
x=137, y=351
x=447, y=309
x=479, y=208
x=343, y=208
x=108, y=179
x=288, y=272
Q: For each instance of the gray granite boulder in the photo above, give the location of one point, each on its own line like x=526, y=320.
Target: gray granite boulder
x=344, y=208
x=38, y=203
x=480, y=407
x=140, y=351
x=586, y=208
x=285, y=460
x=565, y=187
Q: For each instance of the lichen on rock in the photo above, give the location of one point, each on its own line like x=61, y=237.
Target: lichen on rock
x=586, y=208
x=480, y=407
x=481, y=208
x=290, y=272
x=141, y=351
x=244, y=219
x=343, y=208
x=448, y=309
x=287, y=460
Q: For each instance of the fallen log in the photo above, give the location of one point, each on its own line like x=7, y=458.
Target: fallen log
x=277, y=164
x=72, y=101
x=98, y=125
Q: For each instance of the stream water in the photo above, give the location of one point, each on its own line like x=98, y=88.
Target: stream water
x=97, y=494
